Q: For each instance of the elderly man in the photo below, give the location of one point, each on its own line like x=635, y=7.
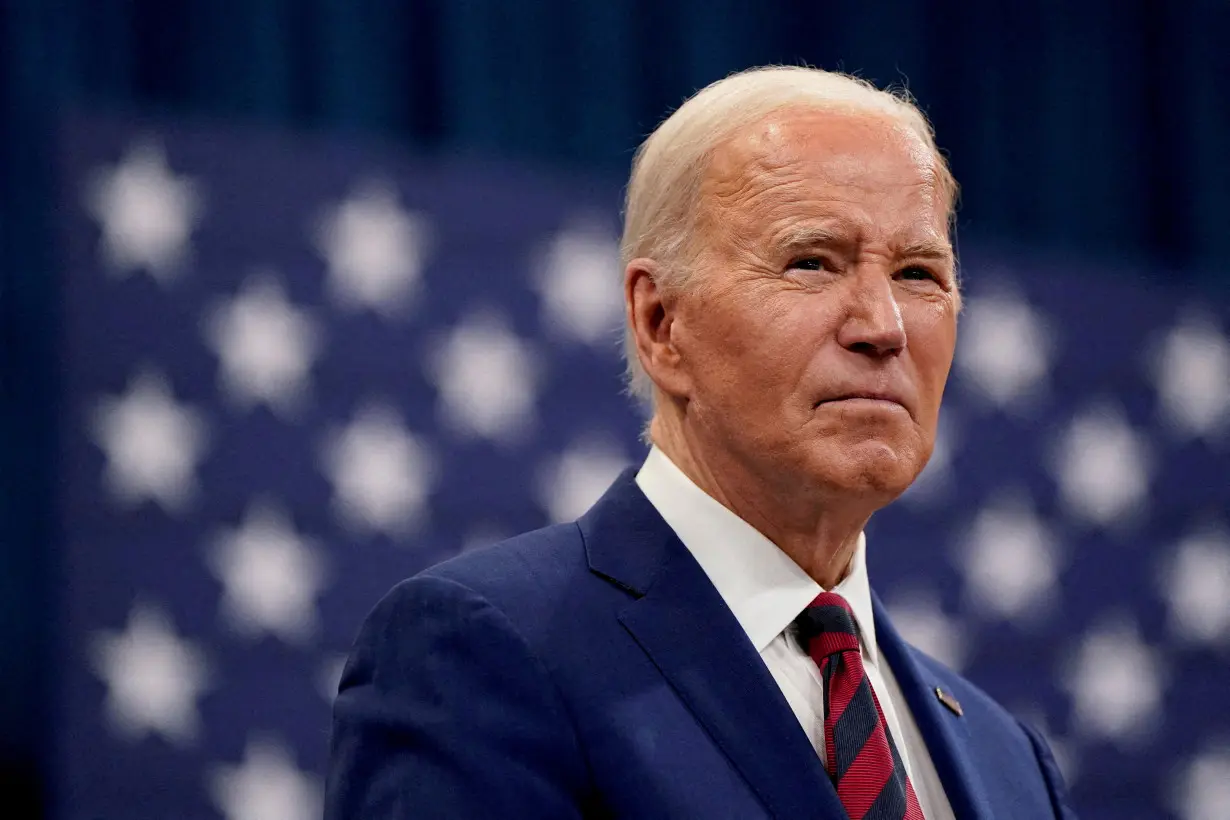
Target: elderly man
x=704, y=643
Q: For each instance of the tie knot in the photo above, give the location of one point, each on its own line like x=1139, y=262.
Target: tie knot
x=827, y=625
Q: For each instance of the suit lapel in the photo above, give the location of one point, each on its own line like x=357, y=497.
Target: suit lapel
x=683, y=625
x=945, y=733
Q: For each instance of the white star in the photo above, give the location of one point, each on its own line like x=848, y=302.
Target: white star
x=151, y=443
x=1004, y=348
x=1102, y=466
x=374, y=249
x=487, y=378
x=579, y=284
x=265, y=346
x=380, y=472
x=1195, y=581
x=1010, y=562
x=1192, y=373
x=271, y=576
x=145, y=212
x=266, y=786
x=1116, y=683
x=936, y=479
x=1202, y=791
x=923, y=623
x=153, y=677
x=570, y=484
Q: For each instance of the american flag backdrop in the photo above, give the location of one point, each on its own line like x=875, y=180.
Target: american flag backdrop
x=298, y=370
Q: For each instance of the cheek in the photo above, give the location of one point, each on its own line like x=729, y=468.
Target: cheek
x=932, y=334
x=748, y=339
x=779, y=340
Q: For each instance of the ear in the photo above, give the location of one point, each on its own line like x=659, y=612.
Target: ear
x=652, y=322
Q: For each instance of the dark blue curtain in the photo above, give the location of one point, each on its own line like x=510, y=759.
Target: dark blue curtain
x=1098, y=125
x=1094, y=127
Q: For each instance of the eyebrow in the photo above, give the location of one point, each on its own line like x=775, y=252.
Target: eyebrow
x=927, y=249
x=801, y=236
x=805, y=236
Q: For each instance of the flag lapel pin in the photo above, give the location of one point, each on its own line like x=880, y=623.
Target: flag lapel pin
x=948, y=700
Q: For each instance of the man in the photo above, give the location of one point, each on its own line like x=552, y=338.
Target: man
x=703, y=643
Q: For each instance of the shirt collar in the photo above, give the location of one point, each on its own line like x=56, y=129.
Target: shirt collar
x=764, y=588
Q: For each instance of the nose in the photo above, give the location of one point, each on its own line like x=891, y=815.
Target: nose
x=873, y=325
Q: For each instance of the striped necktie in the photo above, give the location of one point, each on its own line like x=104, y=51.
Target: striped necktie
x=860, y=756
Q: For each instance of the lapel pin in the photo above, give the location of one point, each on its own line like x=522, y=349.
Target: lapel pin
x=948, y=700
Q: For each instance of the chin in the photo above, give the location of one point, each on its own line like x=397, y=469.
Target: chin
x=870, y=467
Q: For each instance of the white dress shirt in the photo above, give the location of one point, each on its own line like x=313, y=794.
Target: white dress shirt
x=766, y=590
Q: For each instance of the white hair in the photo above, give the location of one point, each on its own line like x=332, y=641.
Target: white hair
x=661, y=204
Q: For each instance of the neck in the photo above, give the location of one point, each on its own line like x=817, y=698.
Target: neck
x=818, y=530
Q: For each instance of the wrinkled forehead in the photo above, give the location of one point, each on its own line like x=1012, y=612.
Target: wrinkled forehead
x=811, y=155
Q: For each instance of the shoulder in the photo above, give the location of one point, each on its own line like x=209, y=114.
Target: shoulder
x=525, y=567
x=446, y=706
x=524, y=581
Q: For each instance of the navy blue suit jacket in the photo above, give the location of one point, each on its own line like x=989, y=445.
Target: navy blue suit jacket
x=592, y=670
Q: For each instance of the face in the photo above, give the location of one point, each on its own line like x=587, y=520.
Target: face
x=815, y=340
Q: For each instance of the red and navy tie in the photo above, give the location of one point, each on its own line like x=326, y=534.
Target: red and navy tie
x=860, y=757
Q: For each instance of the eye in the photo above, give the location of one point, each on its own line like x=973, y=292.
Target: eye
x=916, y=273
x=810, y=263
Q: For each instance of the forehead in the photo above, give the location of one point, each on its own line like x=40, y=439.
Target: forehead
x=853, y=166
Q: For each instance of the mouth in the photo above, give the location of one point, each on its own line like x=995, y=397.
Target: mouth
x=869, y=399
x=868, y=395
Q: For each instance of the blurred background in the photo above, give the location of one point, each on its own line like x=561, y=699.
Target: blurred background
x=298, y=298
